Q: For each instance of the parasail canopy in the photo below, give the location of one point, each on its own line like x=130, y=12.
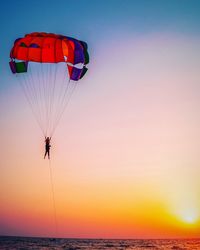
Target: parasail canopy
x=45, y=64
x=52, y=48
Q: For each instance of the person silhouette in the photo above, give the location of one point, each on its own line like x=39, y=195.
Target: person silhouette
x=47, y=147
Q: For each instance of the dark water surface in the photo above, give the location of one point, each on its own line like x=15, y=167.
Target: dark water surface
x=26, y=243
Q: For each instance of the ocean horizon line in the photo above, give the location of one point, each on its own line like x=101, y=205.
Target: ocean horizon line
x=100, y=238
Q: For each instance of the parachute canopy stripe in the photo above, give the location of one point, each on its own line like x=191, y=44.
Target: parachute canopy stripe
x=50, y=48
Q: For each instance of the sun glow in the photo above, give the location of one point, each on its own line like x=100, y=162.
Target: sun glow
x=191, y=219
x=189, y=216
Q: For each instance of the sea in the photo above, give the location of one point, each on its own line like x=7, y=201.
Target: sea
x=33, y=243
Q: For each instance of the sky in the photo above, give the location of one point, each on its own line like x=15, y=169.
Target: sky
x=125, y=156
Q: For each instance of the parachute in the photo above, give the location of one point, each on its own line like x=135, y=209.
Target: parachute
x=48, y=67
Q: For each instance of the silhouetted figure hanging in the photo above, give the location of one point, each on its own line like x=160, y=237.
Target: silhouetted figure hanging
x=47, y=147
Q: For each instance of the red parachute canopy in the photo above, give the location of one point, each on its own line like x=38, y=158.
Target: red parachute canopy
x=44, y=64
x=52, y=48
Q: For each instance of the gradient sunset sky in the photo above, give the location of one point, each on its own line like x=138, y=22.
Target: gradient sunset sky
x=126, y=154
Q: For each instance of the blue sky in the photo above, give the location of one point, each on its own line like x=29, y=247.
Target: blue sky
x=95, y=21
